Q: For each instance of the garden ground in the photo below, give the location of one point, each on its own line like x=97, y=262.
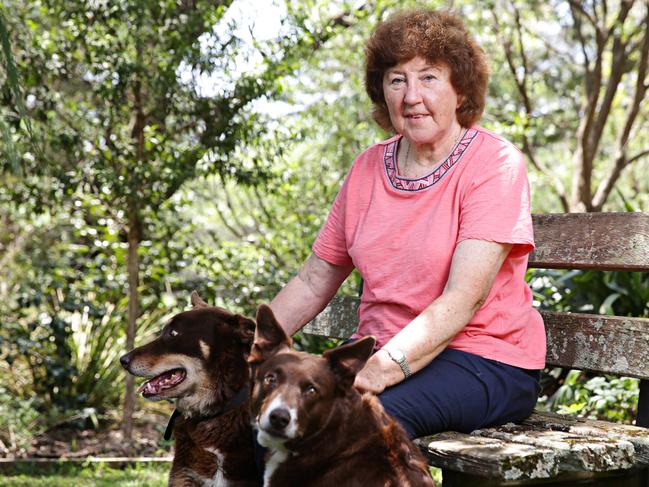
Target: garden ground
x=77, y=443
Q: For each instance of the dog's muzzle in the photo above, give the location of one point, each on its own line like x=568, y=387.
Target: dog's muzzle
x=279, y=418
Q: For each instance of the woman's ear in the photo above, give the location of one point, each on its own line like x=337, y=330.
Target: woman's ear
x=460, y=101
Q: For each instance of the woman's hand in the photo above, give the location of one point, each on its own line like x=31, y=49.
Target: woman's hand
x=379, y=372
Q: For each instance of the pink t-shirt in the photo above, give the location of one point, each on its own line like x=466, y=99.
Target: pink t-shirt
x=401, y=234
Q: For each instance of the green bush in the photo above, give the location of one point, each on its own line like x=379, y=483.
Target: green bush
x=63, y=315
x=608, y=293
x=18, y=421
x=600, y=397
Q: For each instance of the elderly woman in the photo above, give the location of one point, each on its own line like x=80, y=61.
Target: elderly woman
x=437, y=221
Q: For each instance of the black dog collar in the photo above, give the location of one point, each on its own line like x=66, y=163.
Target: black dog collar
x=170, y=425
x=239, y=398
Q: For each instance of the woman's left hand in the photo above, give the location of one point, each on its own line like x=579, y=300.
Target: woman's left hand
x=374, y=377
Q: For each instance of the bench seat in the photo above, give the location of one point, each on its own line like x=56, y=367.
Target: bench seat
x=545, y=446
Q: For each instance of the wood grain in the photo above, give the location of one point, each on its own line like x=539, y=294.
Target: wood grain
x=602, y=241
x=543, y=446
x=598, y=343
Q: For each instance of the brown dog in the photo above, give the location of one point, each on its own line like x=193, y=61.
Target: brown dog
x=200, y=361
x=320, y=432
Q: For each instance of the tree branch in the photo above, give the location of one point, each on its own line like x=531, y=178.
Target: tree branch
x=582, y=41
x=619, y=60
x=583, y=157
x=640, y=90
x=521, y=86
x=639, y=155
x=578, y=6
x=237, y=232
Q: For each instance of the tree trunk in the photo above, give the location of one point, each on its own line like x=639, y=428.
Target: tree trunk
x=134, y=239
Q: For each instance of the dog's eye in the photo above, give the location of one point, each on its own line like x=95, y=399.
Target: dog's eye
x=173, y=332
x=270, y=379
x=310, y=390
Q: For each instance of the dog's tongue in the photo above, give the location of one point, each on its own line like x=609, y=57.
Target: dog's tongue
x=162, y=382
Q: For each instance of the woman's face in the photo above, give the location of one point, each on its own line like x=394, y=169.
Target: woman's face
x=421, y=101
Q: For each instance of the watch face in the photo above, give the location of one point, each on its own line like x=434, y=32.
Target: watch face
x=398, y=355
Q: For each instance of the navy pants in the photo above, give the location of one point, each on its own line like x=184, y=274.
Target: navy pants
x=460, y=391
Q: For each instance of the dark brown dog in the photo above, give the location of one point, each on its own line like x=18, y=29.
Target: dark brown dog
x=200, y=361
x=320, y=432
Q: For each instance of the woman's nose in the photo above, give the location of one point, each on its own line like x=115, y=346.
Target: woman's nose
x=413, y=95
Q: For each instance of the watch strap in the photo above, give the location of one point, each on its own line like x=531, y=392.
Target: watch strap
x=399, y=358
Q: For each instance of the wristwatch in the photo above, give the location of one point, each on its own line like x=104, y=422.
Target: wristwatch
x=399, y=358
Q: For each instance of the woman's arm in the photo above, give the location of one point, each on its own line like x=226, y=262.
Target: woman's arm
x=308, y=293
x=473, y=270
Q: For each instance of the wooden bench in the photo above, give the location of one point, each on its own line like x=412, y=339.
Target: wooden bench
x=549, y=449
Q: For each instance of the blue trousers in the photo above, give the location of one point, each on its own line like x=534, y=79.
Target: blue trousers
x=460, y=391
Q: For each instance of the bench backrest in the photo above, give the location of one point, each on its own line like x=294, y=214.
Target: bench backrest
x=600, y=241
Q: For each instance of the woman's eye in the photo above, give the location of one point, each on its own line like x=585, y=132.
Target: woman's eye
x=396, y=81
x=429, y=77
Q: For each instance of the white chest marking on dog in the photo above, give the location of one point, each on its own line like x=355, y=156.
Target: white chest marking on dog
x=219, y=479
x=278, y=457
x=205, y=348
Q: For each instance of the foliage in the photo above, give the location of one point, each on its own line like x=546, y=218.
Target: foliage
x=114, y=88
x=569, y=87
x=18, y=421
x=601, y=397
x=608, y=293
x=61, y=326
x=229, y=154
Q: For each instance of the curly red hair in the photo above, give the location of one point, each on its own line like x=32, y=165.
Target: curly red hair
x=438, y=37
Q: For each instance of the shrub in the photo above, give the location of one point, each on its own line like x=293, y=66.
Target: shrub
x=609, y=293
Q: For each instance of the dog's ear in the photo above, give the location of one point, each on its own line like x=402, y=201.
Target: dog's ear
x=197, y=302
x=270, y=337
x=245, y=330
x=347, y=361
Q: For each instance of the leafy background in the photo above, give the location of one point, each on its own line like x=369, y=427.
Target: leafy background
x=183, y=139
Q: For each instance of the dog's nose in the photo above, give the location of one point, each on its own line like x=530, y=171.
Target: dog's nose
x=125, y=360
x=279, y=418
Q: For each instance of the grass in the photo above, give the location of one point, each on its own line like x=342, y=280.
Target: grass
x=95, y=475
x=102, y=475
x=436, y=473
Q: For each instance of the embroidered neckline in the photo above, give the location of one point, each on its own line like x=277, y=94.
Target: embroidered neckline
x=424, y=182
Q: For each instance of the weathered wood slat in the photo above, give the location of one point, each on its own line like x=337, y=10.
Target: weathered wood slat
x=603, y=241
x=488, y=457
x=575, y=453
x=598, y=343
x=637, y=436
x=338, y=320
x=542, y=447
